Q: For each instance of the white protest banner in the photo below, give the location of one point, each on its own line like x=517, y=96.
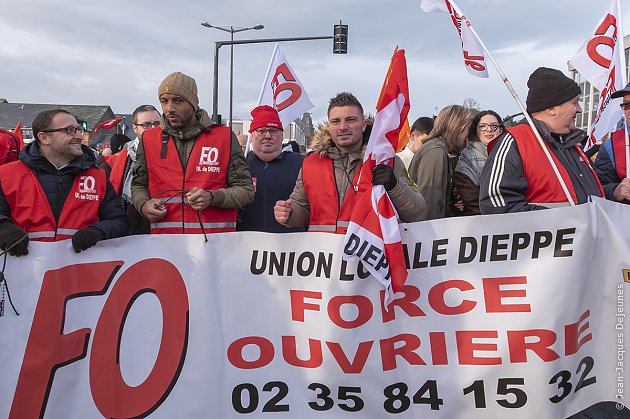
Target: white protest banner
x=517, y=315
x=601, y=61
x=283, y=90
x=474, y=57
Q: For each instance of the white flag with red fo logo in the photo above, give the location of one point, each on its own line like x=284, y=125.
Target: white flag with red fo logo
x=474, y=57
x=601, y=61
x=373, y=235
x=283, y=90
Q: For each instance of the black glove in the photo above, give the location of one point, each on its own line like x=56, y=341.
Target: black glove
x=384, y=175
x=86, y=238
x=10, y=234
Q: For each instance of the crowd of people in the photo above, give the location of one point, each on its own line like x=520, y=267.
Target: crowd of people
x=184, y=174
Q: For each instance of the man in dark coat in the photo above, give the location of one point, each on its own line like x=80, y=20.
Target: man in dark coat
x=274, y=172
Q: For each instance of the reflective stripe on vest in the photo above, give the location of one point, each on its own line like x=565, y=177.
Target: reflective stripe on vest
x=174, y=201
x=326, y=228
x=51, y=234
x=340, y=227
x=193, y=225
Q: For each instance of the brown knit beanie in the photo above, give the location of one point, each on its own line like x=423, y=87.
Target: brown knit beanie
x=181, y=85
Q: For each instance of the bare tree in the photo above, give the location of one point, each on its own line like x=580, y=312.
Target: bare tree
x=471, y=103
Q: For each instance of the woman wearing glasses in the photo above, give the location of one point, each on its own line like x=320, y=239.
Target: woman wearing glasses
x=485, y=127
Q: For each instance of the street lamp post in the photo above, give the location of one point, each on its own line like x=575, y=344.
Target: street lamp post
x=340, y=46
x=231, y=30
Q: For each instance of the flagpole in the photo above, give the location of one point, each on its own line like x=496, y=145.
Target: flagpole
x=248, y=145
x=520, y=104
x=622, y=60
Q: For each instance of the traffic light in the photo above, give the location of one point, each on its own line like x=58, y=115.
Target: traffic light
x=82, y=124
x=340, y=39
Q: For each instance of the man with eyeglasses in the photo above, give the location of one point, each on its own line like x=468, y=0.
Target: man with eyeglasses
x=274, y=173
x=143, y=118
x=610, y=163
x=56, y=192
x=191, y=175
x=326, y=188
x=517, y=175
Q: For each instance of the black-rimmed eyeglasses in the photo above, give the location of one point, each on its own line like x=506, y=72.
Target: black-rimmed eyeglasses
x=486, y=127
x=148, y=125
x=265, y=131
x=70, y=130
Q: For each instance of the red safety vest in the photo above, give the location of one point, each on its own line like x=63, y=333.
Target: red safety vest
x=206, y=169
x=111, y=159
x=618, y=139
x=318, y=177
x=31, y=211
x=543, y=186
x=118, y=170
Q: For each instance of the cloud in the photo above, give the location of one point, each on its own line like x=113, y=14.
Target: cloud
x=117, y=52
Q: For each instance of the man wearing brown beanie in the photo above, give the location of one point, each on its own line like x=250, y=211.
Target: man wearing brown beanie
x=190, y=175
x=517, y=175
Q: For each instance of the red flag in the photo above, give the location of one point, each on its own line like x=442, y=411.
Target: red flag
x=109, y=124
x=18, y=133
x=374, y=221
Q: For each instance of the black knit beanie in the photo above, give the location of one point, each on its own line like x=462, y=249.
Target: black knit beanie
x=548, y=88
x=117, y=142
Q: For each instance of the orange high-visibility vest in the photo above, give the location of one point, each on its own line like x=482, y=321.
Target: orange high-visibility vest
x=31, y=211
x=318, y=176
x=206, y=169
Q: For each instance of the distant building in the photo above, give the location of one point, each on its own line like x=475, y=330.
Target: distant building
x=301, y=130
x=91, y=115
x=589, y=100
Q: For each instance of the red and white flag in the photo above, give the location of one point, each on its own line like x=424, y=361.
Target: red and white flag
x=474, y=57
x=109, y=124
x=373, y=235
x=601, y=61
x=283, y=90
x=18, y=133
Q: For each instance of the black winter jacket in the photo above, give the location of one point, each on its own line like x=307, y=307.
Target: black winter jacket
x=503, y=174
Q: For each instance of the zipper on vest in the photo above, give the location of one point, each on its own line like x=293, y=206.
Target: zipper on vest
x=57, y=212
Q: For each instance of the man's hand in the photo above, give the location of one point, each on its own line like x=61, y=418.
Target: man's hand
x=10, y=234
x=384, y=175
x=153, y=210
x=622, y=191
x=86, y=238
x=199, y=198
x=282, y=211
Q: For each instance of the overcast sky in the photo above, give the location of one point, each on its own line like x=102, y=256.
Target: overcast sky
x=116, y=52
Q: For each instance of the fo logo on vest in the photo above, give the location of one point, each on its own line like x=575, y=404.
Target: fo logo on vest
x=209, y=160
x=87, y=184
x=86, y=189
